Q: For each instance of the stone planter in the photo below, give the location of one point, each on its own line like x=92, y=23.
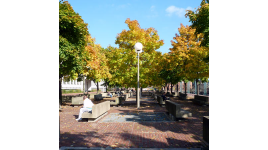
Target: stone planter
x=201, y=100
x=78, y=100
x=98, y=97
x=182, y=96
x=206, y=128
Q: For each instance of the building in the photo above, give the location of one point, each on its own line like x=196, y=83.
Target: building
x=90, y=85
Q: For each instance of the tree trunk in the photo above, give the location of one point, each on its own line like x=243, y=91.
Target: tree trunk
x=136, y=96
x=60, y=93
x=197, y=88
x=171, y=88
x=177, y=87
x=87, y=89
x=106, y=88
x=84, y=84
x=185, y=87
x=97, y=87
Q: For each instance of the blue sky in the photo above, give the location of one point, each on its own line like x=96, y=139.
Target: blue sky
x=106, y=18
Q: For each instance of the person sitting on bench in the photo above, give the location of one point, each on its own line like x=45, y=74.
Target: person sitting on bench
x=86, y=108
x=164, y=96
x=110, y=94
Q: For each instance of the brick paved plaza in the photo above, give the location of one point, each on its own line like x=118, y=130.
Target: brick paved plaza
x=129, y=127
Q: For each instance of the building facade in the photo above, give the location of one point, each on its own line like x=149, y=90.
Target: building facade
x=89, y=85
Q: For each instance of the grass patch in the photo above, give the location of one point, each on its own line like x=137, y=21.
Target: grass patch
x=71, y=91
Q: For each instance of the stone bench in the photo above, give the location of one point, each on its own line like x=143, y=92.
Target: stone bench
x=206, y=128
x=130, y=94
x=98, y=97
x=160, y=101
x=98, y=110
x=175, y=111
x=182, y=96
x=92, y=96
x=76, y=101
x=155, y=97
x=201, y=100
x=114, y=101
x=169, y=94
x=105, y=95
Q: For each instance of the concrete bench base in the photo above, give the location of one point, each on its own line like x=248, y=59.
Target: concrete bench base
x=175, y=111
x=94, y=120
x=201, y=100
x=97, y=110
x=184, y=114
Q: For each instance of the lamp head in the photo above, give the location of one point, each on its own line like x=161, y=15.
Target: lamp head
x=138, y=47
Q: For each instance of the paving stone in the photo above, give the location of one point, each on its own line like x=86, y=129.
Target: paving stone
x=134, y=128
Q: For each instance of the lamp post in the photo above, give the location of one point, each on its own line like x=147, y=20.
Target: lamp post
x=138, y=50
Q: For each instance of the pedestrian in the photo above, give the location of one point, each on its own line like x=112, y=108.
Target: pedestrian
x=164, y=96
x=110, y=94
x=87, y=107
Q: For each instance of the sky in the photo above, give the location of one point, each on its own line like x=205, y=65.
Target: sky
x=106, y=18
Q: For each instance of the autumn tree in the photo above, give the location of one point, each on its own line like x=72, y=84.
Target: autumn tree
x=188, y=56
x=168, y=73
x=200, y=21
x=125, y=57
x=96, y=67
x=72, y=41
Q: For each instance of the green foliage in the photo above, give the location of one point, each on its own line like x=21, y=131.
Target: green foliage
x=188, y=56
x=72, y=41
x=170, y=76
x=200, y=21
x=123, y=60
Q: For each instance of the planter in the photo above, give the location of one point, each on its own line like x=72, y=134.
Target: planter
x=206, y=128
x=182, y=96
x=201, y=100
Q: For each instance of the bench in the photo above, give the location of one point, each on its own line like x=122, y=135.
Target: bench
x=76, y=101
x=169, y=94
x=91, y=96
x=98, y=110
x=160, y=101
x=98, y=97
x=126, y=95
x=155, y=97
x=175, y=111
x=182, y=96
x=201, y=100
x=105, y=95
x=206, y=128
x=114, y=101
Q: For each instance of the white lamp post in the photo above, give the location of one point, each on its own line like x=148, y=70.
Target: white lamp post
x=138, y=50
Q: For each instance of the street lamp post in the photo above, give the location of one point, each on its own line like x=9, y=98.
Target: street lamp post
x=138, y=50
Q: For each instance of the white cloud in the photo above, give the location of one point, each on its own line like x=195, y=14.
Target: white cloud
x=180, y=12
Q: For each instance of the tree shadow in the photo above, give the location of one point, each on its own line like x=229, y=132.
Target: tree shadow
x=125, y=140
x=192, y=126
x=180, y=134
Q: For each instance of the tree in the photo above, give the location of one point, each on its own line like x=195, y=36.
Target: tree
x=188, y=56
x=96, y=67
x=168, y=73
x=124, y=57
x=200, y=21
x=72, y=41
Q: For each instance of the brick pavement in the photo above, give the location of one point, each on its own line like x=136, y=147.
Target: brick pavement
x=179, y=134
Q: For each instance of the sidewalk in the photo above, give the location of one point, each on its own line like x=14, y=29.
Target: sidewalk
x=141, y=134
